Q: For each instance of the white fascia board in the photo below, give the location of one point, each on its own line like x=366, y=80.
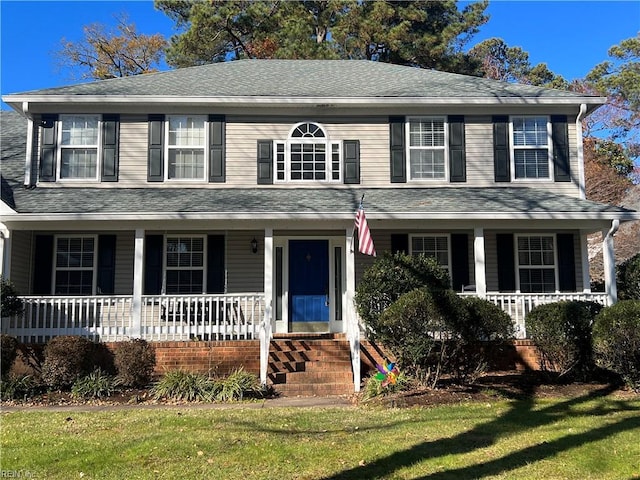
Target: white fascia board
x=319, y=216
x=16, y=101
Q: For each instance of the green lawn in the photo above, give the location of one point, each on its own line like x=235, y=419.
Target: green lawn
x=579, y=438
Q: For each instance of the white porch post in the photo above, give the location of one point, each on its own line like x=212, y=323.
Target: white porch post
x=353, y=329
x=480, y=268
x=586, y=276
x=138, y=277
x=5, y=252
x=609, y=260
x=265, y=326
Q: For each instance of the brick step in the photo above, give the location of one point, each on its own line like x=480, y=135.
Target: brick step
x=319, y=377
x=314, y=389
x=308, y=356
x=308, y=344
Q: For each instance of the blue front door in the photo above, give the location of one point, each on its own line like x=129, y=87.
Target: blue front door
x=309, y=280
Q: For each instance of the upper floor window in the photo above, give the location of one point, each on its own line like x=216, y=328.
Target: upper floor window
x=536, y=263
x=75, y=265
x=308, y=155
x=186, y=147
x=427, y=148
x=531, y=153
x=79, y=147
x=434, y=246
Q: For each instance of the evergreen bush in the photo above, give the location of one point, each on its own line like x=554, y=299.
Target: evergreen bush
x=391, y=276
x=135, y=361
x=628, y=279
x=562, y=334
x=616, y=340
x=10, y=304
x=67, y=358
x=8, y=352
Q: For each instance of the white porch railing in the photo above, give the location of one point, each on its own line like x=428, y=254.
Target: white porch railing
x=518, y=305
x=109, y=318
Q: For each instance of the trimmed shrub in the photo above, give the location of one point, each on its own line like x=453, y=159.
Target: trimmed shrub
x=67, y=358
x=8, y=352
x=485, y=321
x=134, y=361
x=420, y=331
x=97, y=384
x=616, y=340
x=390, y=277
x=562, y=333
x=628, y=279
x=10, y=304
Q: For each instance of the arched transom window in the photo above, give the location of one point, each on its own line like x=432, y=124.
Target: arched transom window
x=307, y=155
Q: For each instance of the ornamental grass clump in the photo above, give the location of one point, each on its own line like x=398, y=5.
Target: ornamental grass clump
x=238, y=385
x=180, y=385
x=97, y=384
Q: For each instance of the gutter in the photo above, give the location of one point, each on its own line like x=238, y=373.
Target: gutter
x=581, y=180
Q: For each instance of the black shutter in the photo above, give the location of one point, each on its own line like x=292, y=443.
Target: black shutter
x=215, y=264
x=566, y=263
x=217, y=128
x=48, y=148
x=398, y=164
x=43, y=265
x=457, y=155
x=153, y=251
x=506, y=262
x=155, y=171
x=110, y=133
x=459, y=260
x=501, y=157
x=399, y=243
x=351, y=158
x=106, y=264
x=560, y=137
x=265, y=162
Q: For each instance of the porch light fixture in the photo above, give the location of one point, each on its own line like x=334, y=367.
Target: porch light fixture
x=254, y=245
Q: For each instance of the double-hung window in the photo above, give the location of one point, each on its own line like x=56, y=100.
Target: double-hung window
x=434, y=246
x=531, y=147
x=184, y=264
x=75, y=264
x=536, y=263
x=79, y=140
x=427, y=148
x=186, y=159
x=308, y=155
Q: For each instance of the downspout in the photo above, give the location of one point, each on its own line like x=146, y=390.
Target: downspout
x=609, y=261
x=581, y=182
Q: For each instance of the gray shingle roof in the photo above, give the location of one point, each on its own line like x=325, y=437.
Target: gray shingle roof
x=306, y=78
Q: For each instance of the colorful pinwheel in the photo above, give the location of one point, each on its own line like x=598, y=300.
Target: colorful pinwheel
x=388, y=374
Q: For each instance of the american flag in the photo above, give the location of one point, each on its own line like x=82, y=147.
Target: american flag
x=364, y=235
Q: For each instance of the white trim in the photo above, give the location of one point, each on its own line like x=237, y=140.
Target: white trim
x=60, y=147
x=444, y=148
x=513, y=147
x=580, y=151
x=94, y=266
x=434, y=235
x=479, y=262
x=167, y=148
x=553, y=236
x=584, y=258
x=29, y=153
x=165, y=268
x=138, y=280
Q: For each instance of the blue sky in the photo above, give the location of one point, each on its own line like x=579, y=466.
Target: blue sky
x=570, y=36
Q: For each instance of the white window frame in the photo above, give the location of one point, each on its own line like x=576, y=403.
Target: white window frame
x=168, y=147
x=513, y=147
x=166, y=268
x=283, y=148
x=93, y=268
x=444, y=148
x=433, y=235
x=60, y=148
x=553, y=267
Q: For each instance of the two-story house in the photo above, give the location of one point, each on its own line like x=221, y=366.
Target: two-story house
x=218, y=201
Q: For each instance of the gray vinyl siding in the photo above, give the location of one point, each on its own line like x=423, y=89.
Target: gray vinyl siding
x=124, y=263
x=245, y=269
x=21, y=261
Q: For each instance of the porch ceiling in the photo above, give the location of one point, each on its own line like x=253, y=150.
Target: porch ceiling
x=305, y=203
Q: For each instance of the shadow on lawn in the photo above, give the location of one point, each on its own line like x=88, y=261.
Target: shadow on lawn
x=519, y=419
